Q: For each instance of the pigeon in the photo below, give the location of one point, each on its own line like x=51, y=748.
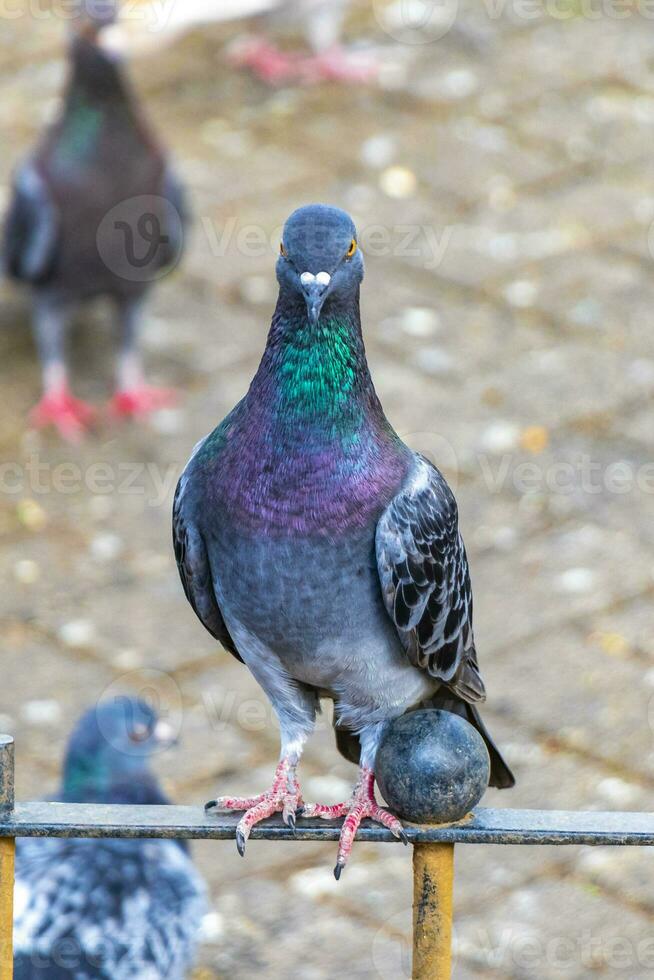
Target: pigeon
x=321, y=550
x=96, y=210
x=110, y=909
x=320, y=22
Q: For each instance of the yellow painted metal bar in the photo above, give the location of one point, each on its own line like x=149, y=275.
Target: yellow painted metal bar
x=7, y=855
x=433, y=880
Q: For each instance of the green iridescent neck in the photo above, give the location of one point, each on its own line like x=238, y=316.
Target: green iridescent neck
x=80, y=131
x=96, y=96
x=315, y=377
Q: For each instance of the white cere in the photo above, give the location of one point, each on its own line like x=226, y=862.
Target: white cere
x=323, y=278
x=307, y=277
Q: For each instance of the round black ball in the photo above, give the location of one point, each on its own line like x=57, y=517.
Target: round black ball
x=432, y=766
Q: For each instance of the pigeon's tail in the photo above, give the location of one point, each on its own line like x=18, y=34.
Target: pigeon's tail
x=500, y=775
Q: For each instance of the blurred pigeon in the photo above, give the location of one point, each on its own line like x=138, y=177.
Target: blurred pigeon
x=96, y=211
x=110, y=909
x=318, y=548
x=319, y=21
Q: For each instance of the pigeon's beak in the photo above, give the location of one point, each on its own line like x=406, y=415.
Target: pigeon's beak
x=315, y=289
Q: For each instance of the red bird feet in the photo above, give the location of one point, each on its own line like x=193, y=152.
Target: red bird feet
x=141, y=400
x=69, y=416
x=362, y=804
x=72, y=418
x=285, y=797
x=276, y=67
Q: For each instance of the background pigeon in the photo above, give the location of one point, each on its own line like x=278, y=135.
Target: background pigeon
x=320, y=549
x=110, y=909
x=319, y=22
x=96, y=211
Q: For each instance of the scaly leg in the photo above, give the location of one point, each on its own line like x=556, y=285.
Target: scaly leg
x=295, y=706
x=283, y=797
x=57, y=407
x=133, y=396
x=362, y=804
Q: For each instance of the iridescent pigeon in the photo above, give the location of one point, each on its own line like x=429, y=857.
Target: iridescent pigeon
x=107, y=909
x=96, y=211
x=318, y=548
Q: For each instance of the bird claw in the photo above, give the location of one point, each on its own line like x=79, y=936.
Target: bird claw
x=70, y=416
x=140, y=401
x=362, y=804
x=283, y=797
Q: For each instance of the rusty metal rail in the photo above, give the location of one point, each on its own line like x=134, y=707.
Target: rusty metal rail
x=433, y=851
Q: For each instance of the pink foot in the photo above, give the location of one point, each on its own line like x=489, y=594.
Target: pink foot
x=363, y=804
x=283, y=797
x=141, y=400
x=339, y=65
x=267, y=62
x=70, y=416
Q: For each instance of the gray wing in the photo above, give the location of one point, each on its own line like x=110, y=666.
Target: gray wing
x=32, y=228
x=193, y=565
x=425, y=580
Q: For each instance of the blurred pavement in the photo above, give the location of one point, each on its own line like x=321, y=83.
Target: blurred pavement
x=503, y=182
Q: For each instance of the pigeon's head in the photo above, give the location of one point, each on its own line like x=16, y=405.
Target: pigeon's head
x=111, y=745
x=91, y=16
x=320, y=261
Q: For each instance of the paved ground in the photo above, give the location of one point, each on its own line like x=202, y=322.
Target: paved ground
x=510, y=337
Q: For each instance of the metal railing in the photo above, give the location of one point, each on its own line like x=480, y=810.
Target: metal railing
x=433, y=847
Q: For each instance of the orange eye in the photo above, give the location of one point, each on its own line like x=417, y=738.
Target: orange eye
x=352, y=249
x=282, y=250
